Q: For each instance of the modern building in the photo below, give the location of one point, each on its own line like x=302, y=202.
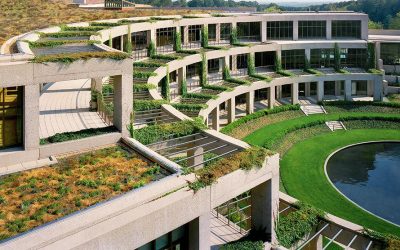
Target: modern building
x=47, y=85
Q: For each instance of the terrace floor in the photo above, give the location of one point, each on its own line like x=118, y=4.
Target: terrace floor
x=64, y=107
x=221, y=232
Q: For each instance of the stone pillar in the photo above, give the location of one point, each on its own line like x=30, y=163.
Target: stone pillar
x=181, y=77
x=218, y=33
x=226, y=61
x=308, y=54
x=97, y=84
x=151, y=37
x=31, y=117
x=347, y=90
x=123, y=102
x=295, y=93
x=329, y=29
x=377, y=53
x=378, y=88
x=278, y=92
x=271, y=97
x=196, y=157
x=234, y=25
x=215, y=118
x=185, y=35
x=250, y=102
x=263, y=31
x=122, y=43
x=264, y=206
x=307, y=89
x=320, y=91
x=199, y=232
x=337, y=88
x=295, y=30
x=231, y=110
x=234, y=63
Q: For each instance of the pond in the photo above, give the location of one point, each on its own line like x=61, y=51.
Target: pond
x=369, y=175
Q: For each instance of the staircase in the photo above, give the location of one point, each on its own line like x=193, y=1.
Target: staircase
x=335, y=125
x=310, y=109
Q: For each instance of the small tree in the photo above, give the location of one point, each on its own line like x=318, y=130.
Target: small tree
x=128, y=44
x=226, y=74
x=178, y=41
x=278, y=64
x=204, y=36
x=337, y=55
x=203, y=70
x=183, y=87
x=165, y=88
x=233, y=37
x=371, y=64
x=251, y=67
x=151, y=50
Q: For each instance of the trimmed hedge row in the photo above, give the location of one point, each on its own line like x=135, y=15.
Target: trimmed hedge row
x=68, y=34
x=244, y=245
x=229, y=128
x=141, y=105
x=54, y=43
x=69, y=58
x=200, y=96
x=143, y=86
x=361, y=103
x=69, y=136
x=160, y=132
x=189, y=106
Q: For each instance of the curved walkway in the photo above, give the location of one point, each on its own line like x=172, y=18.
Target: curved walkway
x=64, y=107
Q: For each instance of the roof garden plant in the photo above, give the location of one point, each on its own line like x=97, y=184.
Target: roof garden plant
x=68, y=34
x=244, y=245
x=55, y=43
x=69, y=58
x=128, y=45
x=200, y=96
x=178, y=41
x=183, y=87
x=138, y=87
x=36, y=197
x=251, y=69
x=279, y=69
x=204, y=36
x=142, y=105
x=165, y=86
x=203, y=70
x=81, y=28
x=151, y=50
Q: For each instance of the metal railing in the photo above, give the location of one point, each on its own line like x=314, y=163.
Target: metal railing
x=118, y=4
x=105, y=108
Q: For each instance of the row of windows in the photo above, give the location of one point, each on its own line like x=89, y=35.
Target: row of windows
x=390, y=53
x=312, y=29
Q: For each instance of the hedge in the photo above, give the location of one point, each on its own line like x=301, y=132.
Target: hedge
x=105, y=24
x=54, y=43
x=143, y=86
x=141, y=105
x=244, y=245
x=230, y=127
x=167, y=57
x=69, y=136
x=199, y=96
x=68, y=34
x=69, y=58
x=189, y=106
x=143, y=74
x=218, y=87
x=360, y=103
x=160, y=132
x=81, y=28
x=148, y=64
x=238, y=81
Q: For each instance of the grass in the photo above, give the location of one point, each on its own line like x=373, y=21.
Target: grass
x=394, y=98
x=35, y=197
x=18, y=15
x=303, y=175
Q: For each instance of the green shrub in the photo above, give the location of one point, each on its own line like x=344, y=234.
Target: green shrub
x=184, y=87
x=204, y=36
x=278, y=64
x=361, y=103
x=68, y=136
x=143, y=74
x=189, y=106
x=166, y=57
x=296, y=225
x=148, y=64
x=337, y=54
x=69, y=58
x=81, y=28
x=178, y=41
x=238, y=81
x=226, y=74
x=142, y=87
x=68, y=34
x=262, y=77
x=107, y=89
x=54, y=43
x=165, y=86
x=128, y=45
x=371, y=61
x=233, y=36
x=230, y=127
x=151, y=50
x=200, y=96
x=105, y=24
x=251, y=67
x=244, y=245
x=141, y=105
x=217, y=87
x=203, y=70
x=160, y=132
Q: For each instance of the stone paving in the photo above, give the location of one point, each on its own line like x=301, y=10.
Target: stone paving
x=64, y=107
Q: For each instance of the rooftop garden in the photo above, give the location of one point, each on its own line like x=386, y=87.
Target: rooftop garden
x=31, y=198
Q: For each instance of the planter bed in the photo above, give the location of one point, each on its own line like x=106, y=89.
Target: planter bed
x=32, y=198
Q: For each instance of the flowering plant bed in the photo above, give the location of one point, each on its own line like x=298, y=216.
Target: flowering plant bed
x=31, y=198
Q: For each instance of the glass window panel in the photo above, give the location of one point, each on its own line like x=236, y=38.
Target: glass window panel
x=390, y=53
x=178, y=233
x=280, y=30
x=293, y=59
x=346, y=29
x=162, y=242
x=312, y=29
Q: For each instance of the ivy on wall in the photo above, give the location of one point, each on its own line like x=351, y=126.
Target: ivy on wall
x=251, y=66
x=203, y=70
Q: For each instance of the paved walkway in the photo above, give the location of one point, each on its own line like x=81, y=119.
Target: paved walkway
x=221, y=232
x=64, y=107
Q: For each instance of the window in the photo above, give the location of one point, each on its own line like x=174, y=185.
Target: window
x=265, y=59
x=213, y=65
x=139, y=45
x=390, y=53
x=165, y=39
x=192, y=70
x=322, y=58
x=346, y=29
x=226, y=30
x=242, y=61
x=11, y=116
x=293, y=59
x=212, y=32
x=354, y=58
x=174, y=240
x=282, y=30
x=312, y=29
x=249, y=31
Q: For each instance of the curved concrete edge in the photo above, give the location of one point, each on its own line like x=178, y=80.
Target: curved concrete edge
x=332, y=218
x=354, y=203
x=150, y=154
x=227, y=138
x=174, y=112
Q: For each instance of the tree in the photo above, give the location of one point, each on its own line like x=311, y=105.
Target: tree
x=375, y=25
x=273, y=9
x=395, y=22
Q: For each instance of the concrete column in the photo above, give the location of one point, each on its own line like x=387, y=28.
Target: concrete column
x=337, y=88
x=320, y=91
x=295, y=30
x=264, y=207
x=263, y=31
x=307, y=89
x=347, y=90
x=123, y=102
x=181, y=77
x=185, y=35
x=278, y=93
x=122, y=43
x=217, y=32
x=271, y=97
x=370, y=88
x=329, y=29
x=250, y=102
x=295, y=93
x=234, y=63
x=279, y=54
x=226, y=61
x=308, y=54
x=197, y=157
x=199, y=232
x=215, y=118
x=378, y=89
x=151, y=37
x=96, y=84
x=364, y=29
x=231, y=110
x=378, y=53
x=234, y=25
x=31, y=117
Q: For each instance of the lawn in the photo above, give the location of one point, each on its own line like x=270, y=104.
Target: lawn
x=32, y=198
x=302, y=172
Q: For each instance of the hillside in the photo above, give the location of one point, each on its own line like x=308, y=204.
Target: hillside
x=21, y=16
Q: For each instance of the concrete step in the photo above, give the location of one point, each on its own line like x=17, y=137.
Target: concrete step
x=335, y=125
x=311, y=109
